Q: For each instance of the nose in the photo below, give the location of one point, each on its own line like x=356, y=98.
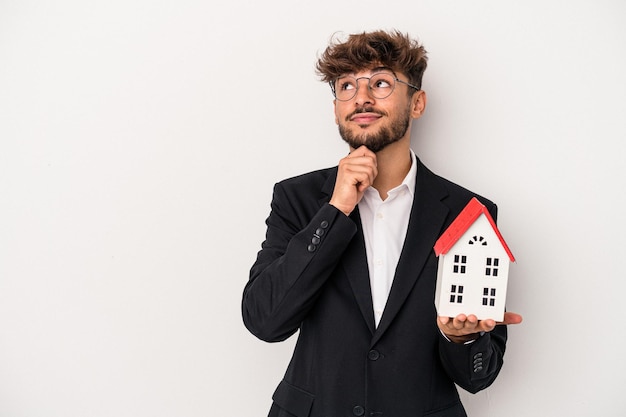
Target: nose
x=363, y=94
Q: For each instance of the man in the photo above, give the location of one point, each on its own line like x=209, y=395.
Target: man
x=348, y=258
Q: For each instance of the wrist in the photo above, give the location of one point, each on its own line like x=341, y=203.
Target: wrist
x=462, y=338
x=345, y=210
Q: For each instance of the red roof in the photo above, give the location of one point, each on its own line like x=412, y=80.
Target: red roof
x=464, y=220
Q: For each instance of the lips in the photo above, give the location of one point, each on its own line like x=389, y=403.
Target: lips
x=364, y=116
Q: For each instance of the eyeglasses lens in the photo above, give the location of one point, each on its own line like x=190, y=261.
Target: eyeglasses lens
x=380, y=86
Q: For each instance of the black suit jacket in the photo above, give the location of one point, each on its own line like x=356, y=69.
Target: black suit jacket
x=311, y=275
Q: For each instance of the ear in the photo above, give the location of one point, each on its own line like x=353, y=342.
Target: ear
x=418, y=104
x=335, y=111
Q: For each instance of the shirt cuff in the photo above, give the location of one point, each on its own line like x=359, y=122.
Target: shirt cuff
x=465, y=343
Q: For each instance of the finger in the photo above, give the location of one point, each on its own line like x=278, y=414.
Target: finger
x=362, y=179
x=511, y=318
x=362, y=156
x=487, y=325
x=359, y=174
x=362, y=151
x=466, y=324
x=355, y=158
x=359, y=163
x=459, y=321
x=356, y=167
x=471, y=323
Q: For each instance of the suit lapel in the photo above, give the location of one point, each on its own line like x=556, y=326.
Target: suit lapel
x=357, y=271
x=354, y=260
x=428, y=215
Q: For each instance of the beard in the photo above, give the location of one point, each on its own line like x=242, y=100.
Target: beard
x=379, y=140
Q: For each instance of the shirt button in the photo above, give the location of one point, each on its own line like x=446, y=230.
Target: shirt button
x=379, y=215
x=358, y=410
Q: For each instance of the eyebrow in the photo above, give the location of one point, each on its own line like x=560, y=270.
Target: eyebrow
x=381, y=69
x=373, y=71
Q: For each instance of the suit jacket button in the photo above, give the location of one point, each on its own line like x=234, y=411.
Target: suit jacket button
x=315, y=240
x=373, y=355
x=358, y=410
x=478, y=369
x=311, y=248
x=324, y=224
x=320, y=231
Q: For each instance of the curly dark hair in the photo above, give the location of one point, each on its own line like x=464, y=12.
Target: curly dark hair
x=361, y=51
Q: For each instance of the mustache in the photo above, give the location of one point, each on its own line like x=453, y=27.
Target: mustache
x=365, y=109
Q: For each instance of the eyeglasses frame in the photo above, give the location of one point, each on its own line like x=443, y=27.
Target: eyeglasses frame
x=369, y=89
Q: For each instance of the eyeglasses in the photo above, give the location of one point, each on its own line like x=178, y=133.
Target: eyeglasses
x=380, y=86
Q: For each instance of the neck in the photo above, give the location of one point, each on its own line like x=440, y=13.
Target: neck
x=394, y=163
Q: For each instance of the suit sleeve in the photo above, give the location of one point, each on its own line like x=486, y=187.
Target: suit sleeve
x=476, y=365
x=299, y=253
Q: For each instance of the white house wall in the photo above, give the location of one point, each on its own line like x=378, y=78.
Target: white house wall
x=474, y=279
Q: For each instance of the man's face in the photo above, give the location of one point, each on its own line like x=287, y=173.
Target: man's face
x=367, y=120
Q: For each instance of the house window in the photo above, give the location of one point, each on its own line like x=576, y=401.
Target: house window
x=456, y=294
x=491, y=268
x=489, y=297
x=478, y=240
x=460, y=262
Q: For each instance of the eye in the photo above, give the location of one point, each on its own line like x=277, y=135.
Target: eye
x=345, y=85
x=381, y=83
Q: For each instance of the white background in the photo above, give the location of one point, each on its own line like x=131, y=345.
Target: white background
x=140, y=140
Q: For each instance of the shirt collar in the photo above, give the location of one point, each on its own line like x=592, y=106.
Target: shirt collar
x=408, y=183
x=411, y=177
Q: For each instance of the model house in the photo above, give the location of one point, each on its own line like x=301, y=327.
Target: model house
x=473, y=266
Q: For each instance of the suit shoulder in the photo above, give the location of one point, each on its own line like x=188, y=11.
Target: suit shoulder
x=303, y=195
x=314, y=179
x=455, y=195
x=465, y=194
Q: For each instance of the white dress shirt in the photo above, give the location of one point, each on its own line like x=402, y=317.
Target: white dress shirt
x=385, y=223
